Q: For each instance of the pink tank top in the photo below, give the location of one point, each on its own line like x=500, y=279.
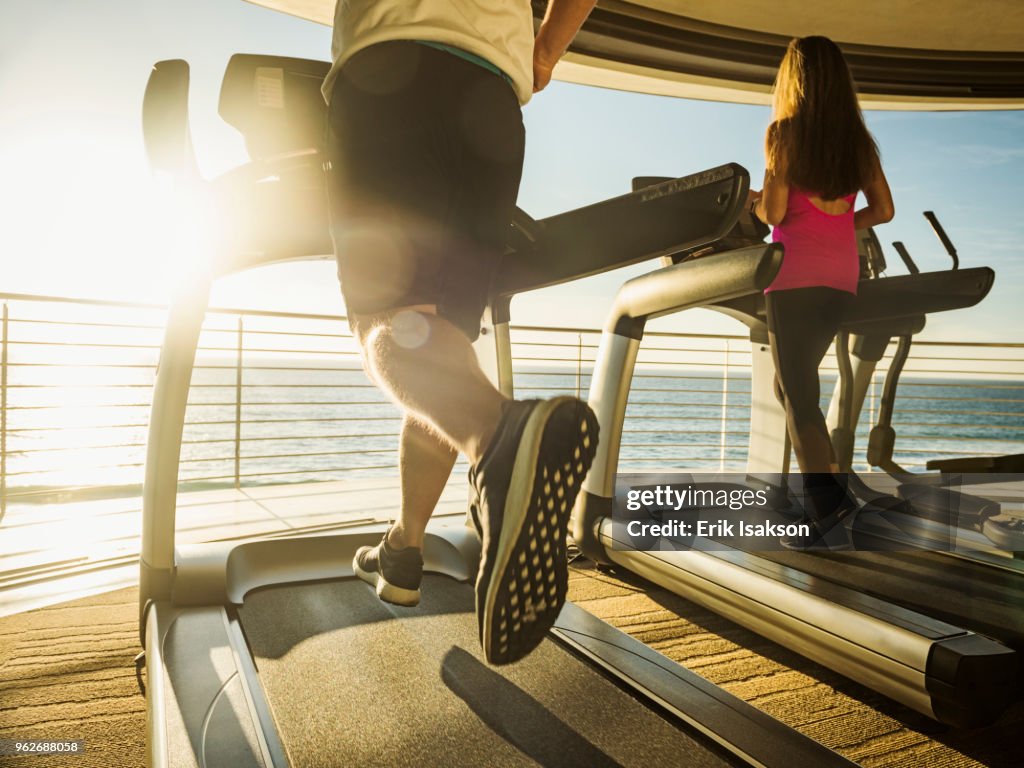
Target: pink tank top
x=821, y=249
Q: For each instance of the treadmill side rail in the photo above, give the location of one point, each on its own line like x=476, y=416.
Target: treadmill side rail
x=936, y=668
x=739, y=727
x=203, y=706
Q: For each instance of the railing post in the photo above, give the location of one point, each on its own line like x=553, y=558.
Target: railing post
x=871, y=404
x=579, y=362
x=725, y=410
x=3, y=414
x=238, y=402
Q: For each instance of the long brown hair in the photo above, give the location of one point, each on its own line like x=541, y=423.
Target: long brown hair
x=818, y=135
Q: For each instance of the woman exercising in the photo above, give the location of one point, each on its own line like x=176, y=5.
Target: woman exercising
x=818, y=156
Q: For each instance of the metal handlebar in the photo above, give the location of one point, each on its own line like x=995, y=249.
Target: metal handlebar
x=943, y=237
x=901, y=249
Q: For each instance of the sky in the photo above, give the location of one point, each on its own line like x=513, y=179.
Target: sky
x=81, y=210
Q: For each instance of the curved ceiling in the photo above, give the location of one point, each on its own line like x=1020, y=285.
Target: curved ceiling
x=905, y=54
x=953, y=25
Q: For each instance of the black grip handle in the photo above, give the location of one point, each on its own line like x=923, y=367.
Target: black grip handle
x=943, y=237
x=901, y=249
x=525, y=232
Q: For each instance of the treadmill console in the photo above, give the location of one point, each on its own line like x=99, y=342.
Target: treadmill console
x=748, y=230
x=872, y=260
x=275, y=102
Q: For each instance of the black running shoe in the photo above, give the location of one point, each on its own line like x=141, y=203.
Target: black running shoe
x=396, y=573
x=827, y=530
x=525, y=486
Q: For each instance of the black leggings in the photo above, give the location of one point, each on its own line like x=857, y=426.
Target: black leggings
x=802, y=322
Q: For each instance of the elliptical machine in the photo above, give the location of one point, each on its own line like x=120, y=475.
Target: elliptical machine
x=926, y=512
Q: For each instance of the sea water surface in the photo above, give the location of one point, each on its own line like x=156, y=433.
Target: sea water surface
x=310, y=420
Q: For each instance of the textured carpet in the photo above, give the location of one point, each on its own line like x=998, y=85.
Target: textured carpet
x=66, y=672
x=863, y=725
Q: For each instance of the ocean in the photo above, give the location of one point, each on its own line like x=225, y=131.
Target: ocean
x=306, y=420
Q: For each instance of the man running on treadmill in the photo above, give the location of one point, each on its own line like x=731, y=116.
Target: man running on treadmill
x=425, y=144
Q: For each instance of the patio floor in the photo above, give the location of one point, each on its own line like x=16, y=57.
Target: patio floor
x=60, y=551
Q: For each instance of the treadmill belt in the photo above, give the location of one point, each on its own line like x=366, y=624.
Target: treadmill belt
x=354, y=681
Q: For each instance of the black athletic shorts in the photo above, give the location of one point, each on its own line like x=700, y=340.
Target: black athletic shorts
x=426, y=154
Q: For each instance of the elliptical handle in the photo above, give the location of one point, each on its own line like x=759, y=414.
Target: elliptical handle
x=943, y=237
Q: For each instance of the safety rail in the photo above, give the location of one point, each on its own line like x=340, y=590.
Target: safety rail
x=281, y=397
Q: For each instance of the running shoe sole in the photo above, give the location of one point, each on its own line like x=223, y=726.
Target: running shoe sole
x=529, y=575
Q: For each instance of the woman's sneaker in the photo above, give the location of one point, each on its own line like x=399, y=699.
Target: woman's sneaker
x=827, y=525
x=396, y=573
x=524, y=487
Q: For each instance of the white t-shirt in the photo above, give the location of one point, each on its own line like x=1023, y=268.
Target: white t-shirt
x=500, y=31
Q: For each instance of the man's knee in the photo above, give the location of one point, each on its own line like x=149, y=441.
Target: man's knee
x=408, y=327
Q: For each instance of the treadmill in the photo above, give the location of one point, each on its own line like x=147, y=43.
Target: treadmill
x=939, y=635
x=269, y=652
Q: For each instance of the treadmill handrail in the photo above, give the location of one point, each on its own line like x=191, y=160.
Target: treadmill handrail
x=650, y=222
x=274, y=209
x=694, y=283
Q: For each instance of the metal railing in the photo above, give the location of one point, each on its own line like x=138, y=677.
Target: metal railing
x=280, y=397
